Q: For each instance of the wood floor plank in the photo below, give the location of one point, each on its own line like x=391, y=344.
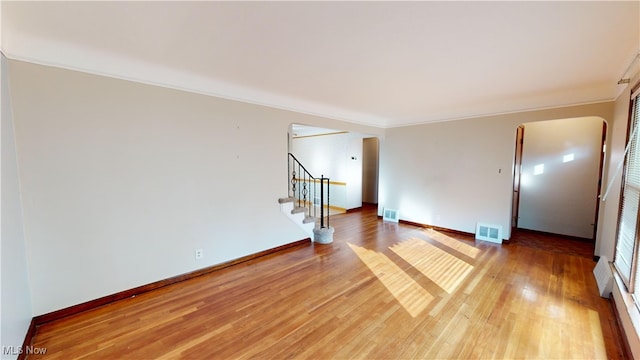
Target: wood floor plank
x=372, y=294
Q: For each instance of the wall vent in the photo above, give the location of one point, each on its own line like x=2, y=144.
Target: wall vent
x=316, y=201
x=390, y=215
x=604, y=277
x=488, y=232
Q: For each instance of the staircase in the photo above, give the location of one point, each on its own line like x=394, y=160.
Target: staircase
x=307, y=203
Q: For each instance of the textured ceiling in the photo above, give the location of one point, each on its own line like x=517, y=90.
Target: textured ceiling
x=378, y=63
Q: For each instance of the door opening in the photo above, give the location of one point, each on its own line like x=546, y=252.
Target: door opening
x=348, y=159
x=557, y=176
x=370, y=153
x=517, y=168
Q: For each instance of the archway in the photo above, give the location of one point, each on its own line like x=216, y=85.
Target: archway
x=557, y=178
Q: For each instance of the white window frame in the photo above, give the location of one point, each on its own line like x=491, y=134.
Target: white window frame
x=626, y=259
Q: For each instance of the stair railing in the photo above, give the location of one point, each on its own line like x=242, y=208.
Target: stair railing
x=305, y=189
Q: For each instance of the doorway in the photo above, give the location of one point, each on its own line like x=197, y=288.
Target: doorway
x=349, y=159
x=370, y=153
x=558, y=170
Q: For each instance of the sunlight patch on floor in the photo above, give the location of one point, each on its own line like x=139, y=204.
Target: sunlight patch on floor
x=452, y=243
x=413, y=297
x=444, y=269
x=596, y=335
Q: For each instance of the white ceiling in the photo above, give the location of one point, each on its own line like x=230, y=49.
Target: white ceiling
x=378, y=63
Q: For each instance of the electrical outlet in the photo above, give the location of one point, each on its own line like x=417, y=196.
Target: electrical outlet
x=199, y=254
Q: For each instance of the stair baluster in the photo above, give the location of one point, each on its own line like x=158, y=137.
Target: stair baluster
x=304, y=188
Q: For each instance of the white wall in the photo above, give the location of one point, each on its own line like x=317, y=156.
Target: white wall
x=455, y=174
x=121, y=181
x=562, y=198
x=15, y=308
x=332, y=155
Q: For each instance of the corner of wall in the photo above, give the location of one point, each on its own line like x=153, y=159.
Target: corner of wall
x=15, y=300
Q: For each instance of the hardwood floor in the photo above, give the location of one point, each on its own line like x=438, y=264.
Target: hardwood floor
x=380, y=291
x=556, y=243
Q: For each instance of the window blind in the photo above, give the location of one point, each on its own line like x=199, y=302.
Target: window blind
x=626, y=244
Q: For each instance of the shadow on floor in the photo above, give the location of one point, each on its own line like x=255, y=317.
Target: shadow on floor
x=554, y=243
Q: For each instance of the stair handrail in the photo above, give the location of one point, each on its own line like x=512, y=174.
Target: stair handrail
x=298, y=174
